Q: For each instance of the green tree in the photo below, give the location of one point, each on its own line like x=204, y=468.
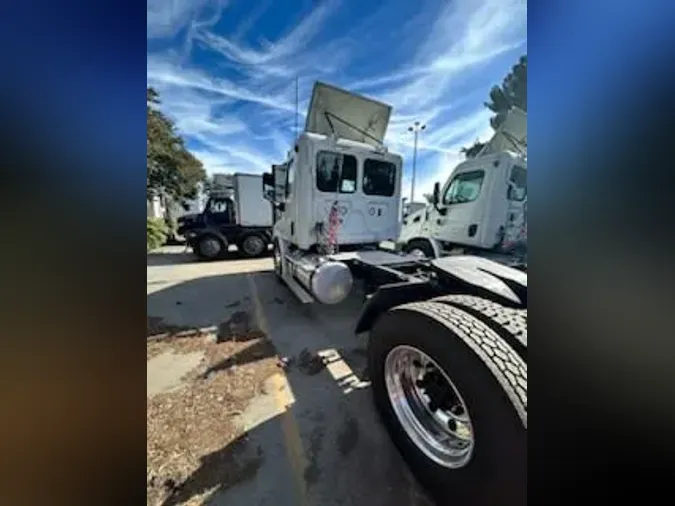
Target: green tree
x=173, y=171
x=473, y=150
x=511, y=93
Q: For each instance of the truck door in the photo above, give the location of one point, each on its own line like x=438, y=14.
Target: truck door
x=516, y=220
x=459, y=221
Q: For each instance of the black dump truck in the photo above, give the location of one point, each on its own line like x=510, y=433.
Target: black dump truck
x=235, y=214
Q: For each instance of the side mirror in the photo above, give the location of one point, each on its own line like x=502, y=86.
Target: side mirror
x=436, y=197
x=268, y=186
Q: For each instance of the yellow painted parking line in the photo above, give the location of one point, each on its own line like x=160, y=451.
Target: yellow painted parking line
x=283, y=397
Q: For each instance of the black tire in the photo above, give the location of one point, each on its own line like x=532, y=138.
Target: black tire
x=252, y=245
x=205, y=248
x=420, y=245
x=509, y=323
x=492, y=380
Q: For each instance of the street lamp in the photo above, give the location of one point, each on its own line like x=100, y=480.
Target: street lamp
x=416, y=128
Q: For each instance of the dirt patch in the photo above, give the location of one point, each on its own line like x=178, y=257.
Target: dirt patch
x=194, y=444
x=158, y=329
x=239, y=327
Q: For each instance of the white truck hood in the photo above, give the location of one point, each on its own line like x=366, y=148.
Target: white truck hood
x=351, y=116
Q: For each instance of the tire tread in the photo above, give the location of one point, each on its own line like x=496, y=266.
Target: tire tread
x=509, y=323
x=506, y=364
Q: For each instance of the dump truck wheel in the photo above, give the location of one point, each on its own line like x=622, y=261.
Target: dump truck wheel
x=453, y=396
x=209, y=247
x=252, y=246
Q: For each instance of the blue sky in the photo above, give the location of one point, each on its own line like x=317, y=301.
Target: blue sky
x=226, y=69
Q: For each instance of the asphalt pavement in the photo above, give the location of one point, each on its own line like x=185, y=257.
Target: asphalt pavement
x=314, y=426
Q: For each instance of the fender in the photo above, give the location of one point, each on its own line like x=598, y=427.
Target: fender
x=390, y=295
x=469, y=275
x=485, y=278
x=435, y=245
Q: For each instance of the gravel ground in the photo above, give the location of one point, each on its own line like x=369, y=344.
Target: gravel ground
x=188, y=425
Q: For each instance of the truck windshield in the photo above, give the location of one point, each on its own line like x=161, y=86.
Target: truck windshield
x=328, y=172
x=464, y=187
x=379, y=178
x=218, y=205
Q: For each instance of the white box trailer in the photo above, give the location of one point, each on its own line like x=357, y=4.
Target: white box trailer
x=447, y=337
x=252, y=209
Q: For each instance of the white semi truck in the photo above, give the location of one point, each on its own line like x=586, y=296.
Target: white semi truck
x=447, y=337
x=482, y=207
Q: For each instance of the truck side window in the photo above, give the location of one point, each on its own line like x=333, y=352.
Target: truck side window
x=328, y=172
x=464, y=187
x=379, y=178
x=517, y=184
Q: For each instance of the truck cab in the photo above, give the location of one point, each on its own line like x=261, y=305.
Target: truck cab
x=339, y=165
x=482, y=206
x=361, y=181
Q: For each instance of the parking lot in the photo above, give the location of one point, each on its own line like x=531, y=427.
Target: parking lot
x=312, y=430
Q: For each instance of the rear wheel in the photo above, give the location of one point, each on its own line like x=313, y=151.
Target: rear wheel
x=209, y=247
x=420, y=248
x=453, y=396
x=252, y=246
x=509, y=323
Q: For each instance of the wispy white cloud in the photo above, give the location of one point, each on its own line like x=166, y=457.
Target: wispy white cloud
x=284, y=58
x=241, y=110
x=465, y=35
x=287, y=46
x=165, y=73
x=165, y=18
x=247, y=23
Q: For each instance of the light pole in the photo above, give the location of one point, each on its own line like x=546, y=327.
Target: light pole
x=416, y=128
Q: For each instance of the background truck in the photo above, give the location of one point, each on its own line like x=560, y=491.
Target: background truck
x=235, y=213
x=482, y=207
x=447, y=337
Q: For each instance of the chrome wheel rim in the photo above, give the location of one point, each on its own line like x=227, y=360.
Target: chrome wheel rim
x=429, y=407
x=210, y=247
x=253, y=245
